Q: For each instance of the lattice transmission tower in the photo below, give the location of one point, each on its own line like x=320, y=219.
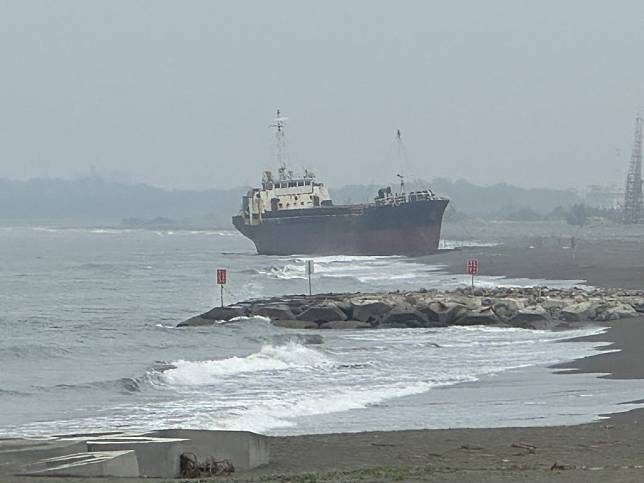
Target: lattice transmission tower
x=633, y=207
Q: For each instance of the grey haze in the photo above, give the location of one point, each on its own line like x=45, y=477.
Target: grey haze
x=180, y=94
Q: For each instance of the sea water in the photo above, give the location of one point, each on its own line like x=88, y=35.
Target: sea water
x=89, y=343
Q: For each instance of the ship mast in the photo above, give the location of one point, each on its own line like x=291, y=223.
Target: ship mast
x=279, y=123
x=402, y=155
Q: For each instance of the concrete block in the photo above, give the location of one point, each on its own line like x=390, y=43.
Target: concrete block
x=118, y=464
x=157, y=457
x=15, y=454
x=245, y=450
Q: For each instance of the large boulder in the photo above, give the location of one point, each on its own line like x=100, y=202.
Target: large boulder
x=405, y=317
x=322, y=313
x=579, y=311
x=478, y=317
x=638, y=304
x=197, y=321
x=616, y=311
x=274, y=312
x=553, y=303
x=367, y=310
x=295, y=324
x=225, y=313
x=532, y=313
x=505, y=309
x=345, y=324
x=444, y=313
x=545, y=324
x=346, y=307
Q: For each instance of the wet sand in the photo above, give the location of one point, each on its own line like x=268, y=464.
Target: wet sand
x=606, y=256
x=611, y=449
x=608, y=450
x=605, y=264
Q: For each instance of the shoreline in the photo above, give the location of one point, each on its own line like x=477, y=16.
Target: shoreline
x=601, y=263
x=605, y=450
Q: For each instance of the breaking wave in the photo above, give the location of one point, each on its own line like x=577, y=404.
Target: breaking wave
x=273, y=413
x=269, y=358
x=361, y=268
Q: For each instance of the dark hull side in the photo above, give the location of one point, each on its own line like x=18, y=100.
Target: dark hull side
x=410, y=229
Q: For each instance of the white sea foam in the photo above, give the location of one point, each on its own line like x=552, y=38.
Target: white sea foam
x=389, y=273
x=269, y=358
x=363, y=269
x=451, y=244
x=274, y=413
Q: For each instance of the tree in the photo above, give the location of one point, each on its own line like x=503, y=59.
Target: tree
x=577, y=215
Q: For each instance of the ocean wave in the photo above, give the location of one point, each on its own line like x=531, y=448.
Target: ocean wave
x=269, y=358
x=303, y=339
x=124, y=385
x=363, y=269
x=245, y=318
x=29, y=351
x=8, y=392
x=273, y=413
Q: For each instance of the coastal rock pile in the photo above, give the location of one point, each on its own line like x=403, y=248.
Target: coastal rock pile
x=534, y=307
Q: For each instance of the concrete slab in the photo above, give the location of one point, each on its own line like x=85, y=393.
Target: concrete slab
x=15, y=454
x=118, y=464
x=245, y=450
x=157, y=457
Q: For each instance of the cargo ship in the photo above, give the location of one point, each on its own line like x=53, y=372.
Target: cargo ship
x=292, y=215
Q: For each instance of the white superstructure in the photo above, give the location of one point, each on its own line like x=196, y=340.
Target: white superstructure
x=286, y=192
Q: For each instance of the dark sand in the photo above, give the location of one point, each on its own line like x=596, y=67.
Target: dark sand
x=611, y=450
x=604, y=264
x=608, y=450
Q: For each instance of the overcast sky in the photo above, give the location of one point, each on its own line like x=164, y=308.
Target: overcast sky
x=180, y=94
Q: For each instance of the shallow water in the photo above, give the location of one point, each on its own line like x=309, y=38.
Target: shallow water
x=89, y=342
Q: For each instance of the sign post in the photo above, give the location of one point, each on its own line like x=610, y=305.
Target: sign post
x=310, y=268
x=221, y=281
x=472, y=268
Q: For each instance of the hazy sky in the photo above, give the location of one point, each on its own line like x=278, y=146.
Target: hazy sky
x=180, y=94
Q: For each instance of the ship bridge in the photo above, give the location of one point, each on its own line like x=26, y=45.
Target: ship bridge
x=285, y=193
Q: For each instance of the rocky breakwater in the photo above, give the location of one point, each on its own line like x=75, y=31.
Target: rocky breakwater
x=533, y=308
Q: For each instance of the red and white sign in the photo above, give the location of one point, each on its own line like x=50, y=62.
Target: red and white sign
x=221, y=276
x=472, y=266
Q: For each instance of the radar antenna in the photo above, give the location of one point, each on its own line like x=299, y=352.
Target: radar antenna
x=279, y=123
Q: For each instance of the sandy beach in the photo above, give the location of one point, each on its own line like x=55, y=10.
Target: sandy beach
x=607, y=450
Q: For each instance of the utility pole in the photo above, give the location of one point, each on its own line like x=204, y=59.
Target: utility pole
x=633, y=206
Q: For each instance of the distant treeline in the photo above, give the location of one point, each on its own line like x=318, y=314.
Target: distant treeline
x=497, y=200
x=97, y=201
